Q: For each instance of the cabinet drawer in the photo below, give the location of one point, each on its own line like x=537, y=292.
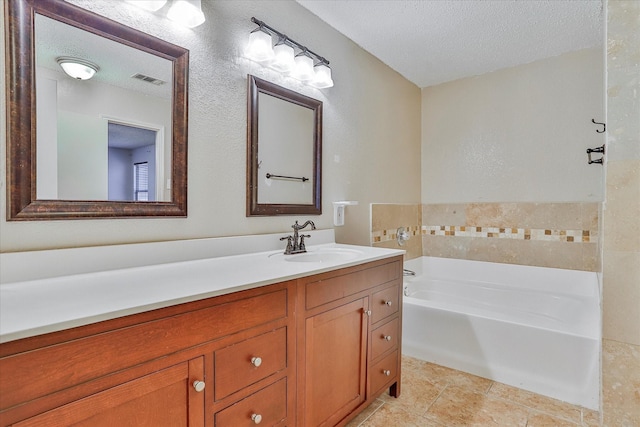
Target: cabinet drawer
x=385, y=303
x=384, y=338
x=333, y=288
x=383, y=371
x=269, y=404
x=249, y=361
x=81, y=360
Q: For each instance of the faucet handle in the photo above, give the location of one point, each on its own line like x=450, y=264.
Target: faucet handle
x=289, y=248
x=302, y=246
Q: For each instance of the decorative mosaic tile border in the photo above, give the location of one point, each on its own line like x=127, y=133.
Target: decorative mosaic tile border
x=387, y=235
x=577, y=236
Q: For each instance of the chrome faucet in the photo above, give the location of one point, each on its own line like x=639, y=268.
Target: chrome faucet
x=295, y=243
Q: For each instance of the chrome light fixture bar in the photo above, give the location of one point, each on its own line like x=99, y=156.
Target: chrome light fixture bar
x=305, y=65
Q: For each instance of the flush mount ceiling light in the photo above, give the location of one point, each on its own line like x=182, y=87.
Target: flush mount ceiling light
x=306, y=66
x=77, y=68
x=186, y=12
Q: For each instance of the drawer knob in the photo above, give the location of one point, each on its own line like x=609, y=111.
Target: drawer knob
x=387, y=337
x=198, y=385
x=256, y=418
x=388, y=303
x=368, y=312
x=386, y=372
x=256, y=361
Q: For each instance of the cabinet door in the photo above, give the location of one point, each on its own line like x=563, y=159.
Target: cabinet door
x=335, y=366
x=164, y=398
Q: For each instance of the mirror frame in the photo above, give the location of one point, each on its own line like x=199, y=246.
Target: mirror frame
x=255, y=87
x=22, y=202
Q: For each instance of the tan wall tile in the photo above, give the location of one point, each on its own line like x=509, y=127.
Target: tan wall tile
x=444, y=214
x=413, y=247
x=543, y=227
x=622, y=210
x=391, y=216
x=533, y=215
x=590, y=214
x=621, y=296
x=591, y=257
x=446, y=246
x=620, y=379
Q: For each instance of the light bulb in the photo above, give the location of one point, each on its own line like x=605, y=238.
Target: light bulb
x=322, y=77
x=304, y=67
x=186, y=12
x=283, y=60
x=260, y=48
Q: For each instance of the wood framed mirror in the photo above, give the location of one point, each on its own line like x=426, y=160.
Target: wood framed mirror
x=28, y=23
x=284, y=151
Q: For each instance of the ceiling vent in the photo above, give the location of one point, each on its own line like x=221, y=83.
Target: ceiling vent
x=148, y=79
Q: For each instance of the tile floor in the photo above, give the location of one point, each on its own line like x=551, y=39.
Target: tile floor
x=435, y=396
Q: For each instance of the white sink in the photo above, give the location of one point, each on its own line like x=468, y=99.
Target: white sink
x=322, y=255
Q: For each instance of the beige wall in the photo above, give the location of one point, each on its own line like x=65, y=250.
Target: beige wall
x=371, y=132
x=621, y=256
x=515, y=135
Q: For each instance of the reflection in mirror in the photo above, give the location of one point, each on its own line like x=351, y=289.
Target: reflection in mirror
x=286, y=133
x=283, y=151
x=132, y=163
x=73, y=127
x=112, y=145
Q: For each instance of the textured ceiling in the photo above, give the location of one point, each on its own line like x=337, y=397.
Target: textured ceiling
x=434, y=41
x=117, y=61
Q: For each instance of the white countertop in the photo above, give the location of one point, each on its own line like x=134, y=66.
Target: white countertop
x=34, y=307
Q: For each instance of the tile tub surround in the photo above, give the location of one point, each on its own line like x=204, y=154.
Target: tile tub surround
x=386, y=218
x=621, y=222
x=559, y=235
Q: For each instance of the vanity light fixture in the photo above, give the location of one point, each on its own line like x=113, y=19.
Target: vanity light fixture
x=77, y=68
x=306, y=66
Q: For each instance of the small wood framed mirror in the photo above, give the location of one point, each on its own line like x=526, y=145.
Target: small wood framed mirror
x=284, y=151
x=59, y=128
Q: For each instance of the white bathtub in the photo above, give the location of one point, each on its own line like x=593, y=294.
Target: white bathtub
x=530, y=327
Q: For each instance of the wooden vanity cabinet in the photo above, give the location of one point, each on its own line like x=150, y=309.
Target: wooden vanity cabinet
x=191, y=365
x=308, y=352
x=348, y=340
